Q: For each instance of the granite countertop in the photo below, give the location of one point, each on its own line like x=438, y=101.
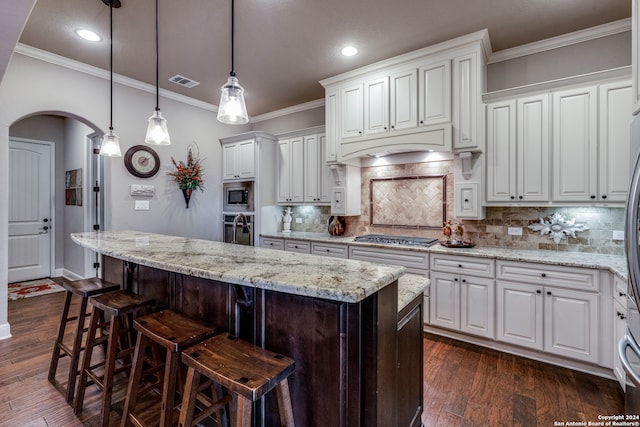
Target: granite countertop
x=615, y=263
x=314, y=276
x=409, y=287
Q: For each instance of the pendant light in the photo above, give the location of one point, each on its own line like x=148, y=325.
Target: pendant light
x=157, y=132
x=232, y=109
x=110, y=141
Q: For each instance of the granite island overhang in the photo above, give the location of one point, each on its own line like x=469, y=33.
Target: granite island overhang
x=336, y=318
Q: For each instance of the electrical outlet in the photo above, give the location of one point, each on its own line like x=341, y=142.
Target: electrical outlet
x=141, y=205
x=298, y=220
x=618, y=234
x=514, y=231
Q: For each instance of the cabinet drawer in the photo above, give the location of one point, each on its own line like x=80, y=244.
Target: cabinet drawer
x=297, y=246
x=415, y=262
x=549, y=275
x=267, y=242
x=329, y=249
x=480, y=267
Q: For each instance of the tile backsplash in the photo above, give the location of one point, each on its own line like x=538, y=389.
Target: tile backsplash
x=492, y=231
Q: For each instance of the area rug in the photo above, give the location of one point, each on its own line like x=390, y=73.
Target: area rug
x=32, y=288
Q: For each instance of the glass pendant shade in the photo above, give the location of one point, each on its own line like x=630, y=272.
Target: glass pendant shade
x=157, y=133
x=110, y=145
x=232, y=109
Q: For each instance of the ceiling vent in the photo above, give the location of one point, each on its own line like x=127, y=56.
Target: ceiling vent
x=183, y=81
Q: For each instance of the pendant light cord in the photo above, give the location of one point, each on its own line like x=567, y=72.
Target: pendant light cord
x=233, y=68
x=111, y=62
x=157, y=62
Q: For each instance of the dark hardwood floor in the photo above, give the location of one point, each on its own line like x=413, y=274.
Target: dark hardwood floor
x=464, y=385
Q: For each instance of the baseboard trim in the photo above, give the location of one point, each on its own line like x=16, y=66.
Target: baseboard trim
x=5, y=331
x=67, y=274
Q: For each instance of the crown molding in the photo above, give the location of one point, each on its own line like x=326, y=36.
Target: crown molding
x=81, y=67
x=289, y=110
x=568, y=39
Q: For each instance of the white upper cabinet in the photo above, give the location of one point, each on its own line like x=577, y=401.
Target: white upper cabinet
x=403, y=100
x=468, y=85
x=376, y=106
x=635, y=54
x=331, y=125
x=238, y=160
x=410, y=102
x=316, y=171
x=290, y=161
x=518, y=150
x=614, y=141
x=351, y=114
x=434, y=95
x=575, y=143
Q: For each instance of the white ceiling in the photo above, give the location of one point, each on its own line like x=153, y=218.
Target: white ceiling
x=284, y=47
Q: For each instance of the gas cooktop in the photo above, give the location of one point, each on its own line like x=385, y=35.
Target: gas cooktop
x=397, y=240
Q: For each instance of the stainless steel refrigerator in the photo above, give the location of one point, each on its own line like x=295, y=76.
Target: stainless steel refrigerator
x=628, y=347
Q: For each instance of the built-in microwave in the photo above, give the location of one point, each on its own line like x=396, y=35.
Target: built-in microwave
x=238, y=197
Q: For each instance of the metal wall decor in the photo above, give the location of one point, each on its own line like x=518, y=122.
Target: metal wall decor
x=558, y=227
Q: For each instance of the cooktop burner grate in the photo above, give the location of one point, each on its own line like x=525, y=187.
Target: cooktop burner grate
x=397, y=240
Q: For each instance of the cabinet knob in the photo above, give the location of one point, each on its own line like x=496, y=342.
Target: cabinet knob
x=393, y=127
x=520, y=197
x=385, y=128
x=538, y=291
x=622, y=294
x=455, y=280
x=512, y=197
x=548, y=292
x=592, y=197
x=459, y=265
x=464, y=280
x=621, y=316
x=421, y=122
x=544, y=274
x=327, y=250
x=360, y=132
x=604, y=196
x=466, y=200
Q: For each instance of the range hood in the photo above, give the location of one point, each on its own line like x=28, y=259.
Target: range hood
x=428, y=138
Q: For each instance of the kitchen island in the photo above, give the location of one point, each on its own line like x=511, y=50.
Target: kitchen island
x=338, y=319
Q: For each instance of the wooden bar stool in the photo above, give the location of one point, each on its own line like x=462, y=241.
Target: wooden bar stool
x=84, y=288
x=246, y=371
x=174, y=332
x=118, y=307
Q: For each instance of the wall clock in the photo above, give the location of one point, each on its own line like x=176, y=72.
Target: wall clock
x=142, y=161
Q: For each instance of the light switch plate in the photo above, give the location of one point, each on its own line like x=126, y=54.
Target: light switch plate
x=618, y=234
x=141, y=205
x=298, y=220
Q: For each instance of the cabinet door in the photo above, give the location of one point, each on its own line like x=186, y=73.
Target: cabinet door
x=635, y=54
x=444, y=300
x=519, y=314
x=311, y=168
x=575, y=145
x=229, y=161
x=467, y=200
x=403, y=99
x=351, y=115
x=477, y=301
x=284, y=171
x=533, y=148
x=245, y=159
x=331, y=126
x=466, y=78
x=620, y=328
x=571, y=324
x=296, y=165
x=614, y=141
x=434, y=96
x=324, y=193
x=376, y=106
x=501, y=151
x=410, y=368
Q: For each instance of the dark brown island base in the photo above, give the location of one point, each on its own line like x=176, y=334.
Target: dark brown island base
x=358, y=360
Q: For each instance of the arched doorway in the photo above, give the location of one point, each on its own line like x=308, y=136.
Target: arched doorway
x=76, y=171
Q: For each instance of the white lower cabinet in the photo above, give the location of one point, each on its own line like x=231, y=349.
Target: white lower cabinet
x=463, y=303
x=561, y=321
x=462, y=294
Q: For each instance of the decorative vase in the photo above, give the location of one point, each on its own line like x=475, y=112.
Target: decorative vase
x=186, y=192
x=336, y=226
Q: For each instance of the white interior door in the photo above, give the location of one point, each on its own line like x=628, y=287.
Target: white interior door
x=29, y=210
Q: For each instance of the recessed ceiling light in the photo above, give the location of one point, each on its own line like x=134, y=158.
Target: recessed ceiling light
x=349, y=50
x=88, y=35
